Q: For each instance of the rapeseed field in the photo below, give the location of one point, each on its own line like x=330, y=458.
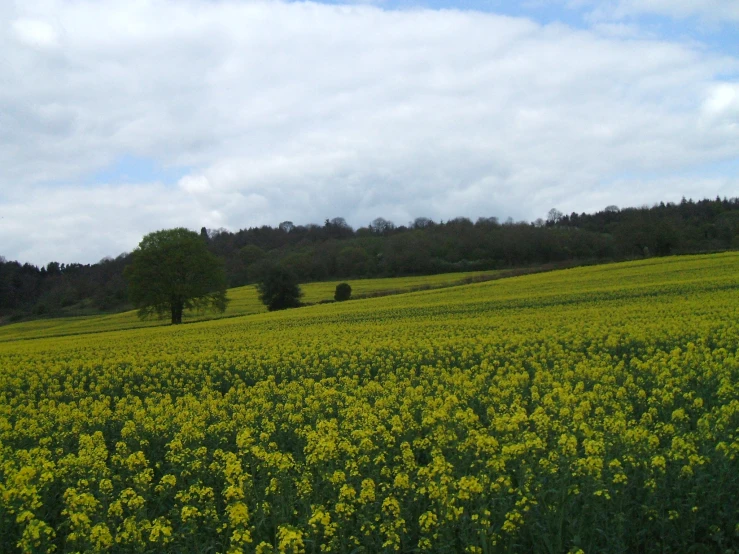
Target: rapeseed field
x=587, y=410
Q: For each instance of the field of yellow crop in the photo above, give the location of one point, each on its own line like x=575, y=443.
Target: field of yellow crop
x=587, y=410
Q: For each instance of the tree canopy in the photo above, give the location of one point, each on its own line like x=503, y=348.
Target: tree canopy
x=279, y=289
x=173, y=271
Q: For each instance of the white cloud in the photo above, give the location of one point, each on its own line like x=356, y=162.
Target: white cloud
x=723, y=101
x=35, y=33
x=305, y=111
x=195, y=184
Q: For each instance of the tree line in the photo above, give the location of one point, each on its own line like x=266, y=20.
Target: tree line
x=335, y=250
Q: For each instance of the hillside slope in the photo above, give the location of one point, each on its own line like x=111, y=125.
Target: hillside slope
x=588, y=410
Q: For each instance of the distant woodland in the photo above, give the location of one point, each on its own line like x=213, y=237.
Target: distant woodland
x=334, y=250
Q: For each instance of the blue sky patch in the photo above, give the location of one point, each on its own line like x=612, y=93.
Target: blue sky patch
x=717, y=35
x=133, y=169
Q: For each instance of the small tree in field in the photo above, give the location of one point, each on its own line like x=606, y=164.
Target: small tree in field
x=343, y=292
x=279, y=289
x=173, y=271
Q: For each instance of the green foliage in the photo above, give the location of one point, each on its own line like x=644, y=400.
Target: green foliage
x=343, y=292
x=279, y=289
x=250, y=254
x=173, y=271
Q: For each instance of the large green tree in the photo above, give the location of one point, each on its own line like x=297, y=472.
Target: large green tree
x=173, y=271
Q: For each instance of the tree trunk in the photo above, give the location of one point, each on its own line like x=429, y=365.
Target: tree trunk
x=177, y=308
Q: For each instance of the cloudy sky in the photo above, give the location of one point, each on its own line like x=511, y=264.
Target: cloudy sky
x=121, y=117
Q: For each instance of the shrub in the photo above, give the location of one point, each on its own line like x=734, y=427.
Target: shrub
x=343, y=292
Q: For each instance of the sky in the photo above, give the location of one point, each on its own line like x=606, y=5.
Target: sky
x=122, y=117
